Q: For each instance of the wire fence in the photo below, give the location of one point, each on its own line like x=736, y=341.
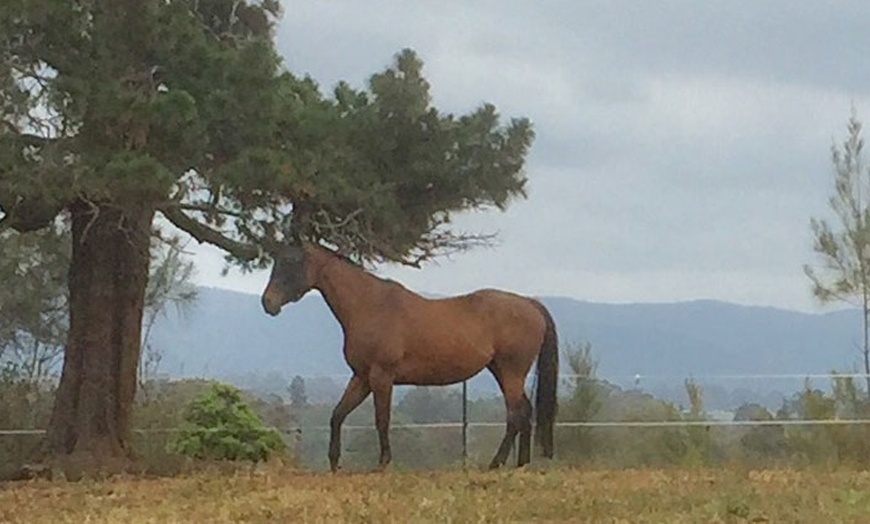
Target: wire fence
x=638, y=380
x=288, y=430
x=469, y=436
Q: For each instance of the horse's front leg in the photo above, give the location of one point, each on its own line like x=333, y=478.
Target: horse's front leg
x=357, y=390
x=381, y=383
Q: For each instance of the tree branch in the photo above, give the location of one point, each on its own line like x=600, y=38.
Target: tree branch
x=208, y=209
x=28, y=139
x=26, y=215
x=202, y=233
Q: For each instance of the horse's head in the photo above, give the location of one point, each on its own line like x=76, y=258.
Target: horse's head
x=291, y=277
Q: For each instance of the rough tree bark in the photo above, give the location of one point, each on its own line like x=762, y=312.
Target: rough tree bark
x=89, y=427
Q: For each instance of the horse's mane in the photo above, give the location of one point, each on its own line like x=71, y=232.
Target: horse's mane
x=355, y=264
x=339, y=255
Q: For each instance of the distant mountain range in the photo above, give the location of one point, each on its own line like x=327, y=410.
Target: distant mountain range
x=227, y=335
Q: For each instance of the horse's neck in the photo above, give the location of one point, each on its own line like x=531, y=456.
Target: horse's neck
x=346, y=288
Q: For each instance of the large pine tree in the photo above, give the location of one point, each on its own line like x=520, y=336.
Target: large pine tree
x=117, y=113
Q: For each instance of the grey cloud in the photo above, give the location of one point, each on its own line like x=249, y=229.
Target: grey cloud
x=811, y=43
x=682, y=146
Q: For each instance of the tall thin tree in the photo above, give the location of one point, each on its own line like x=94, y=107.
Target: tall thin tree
x=843, y=246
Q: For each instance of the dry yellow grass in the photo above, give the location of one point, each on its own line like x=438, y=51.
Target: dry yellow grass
x=555, y=495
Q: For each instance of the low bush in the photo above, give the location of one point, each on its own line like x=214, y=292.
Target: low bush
x=220, y=425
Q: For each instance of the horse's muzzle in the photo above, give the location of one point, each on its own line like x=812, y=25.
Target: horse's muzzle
x=270, y=306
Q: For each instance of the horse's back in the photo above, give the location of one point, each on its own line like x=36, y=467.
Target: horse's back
x=450, y=339
x=486, y=317
x=497, y=303
x=512, y=320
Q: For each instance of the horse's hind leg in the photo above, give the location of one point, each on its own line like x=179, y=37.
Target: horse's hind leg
x=519, y=419
x=525, y=422
x=357, y=390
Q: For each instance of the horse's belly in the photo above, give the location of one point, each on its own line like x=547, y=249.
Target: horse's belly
x=437, y=370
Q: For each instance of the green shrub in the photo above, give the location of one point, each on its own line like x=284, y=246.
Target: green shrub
x=219, y=425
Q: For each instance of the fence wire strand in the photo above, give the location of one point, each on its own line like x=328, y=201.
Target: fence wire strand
x=637, y=379
x=564, y=424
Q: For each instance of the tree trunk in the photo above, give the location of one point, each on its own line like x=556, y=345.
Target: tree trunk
x=90, y=423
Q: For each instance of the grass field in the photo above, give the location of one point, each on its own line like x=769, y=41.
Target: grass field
x=556, y=495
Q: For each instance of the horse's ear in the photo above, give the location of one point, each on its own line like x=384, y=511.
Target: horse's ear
x=270, y=245
x=295, y=237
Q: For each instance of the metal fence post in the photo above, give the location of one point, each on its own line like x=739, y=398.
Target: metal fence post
x=464, y=423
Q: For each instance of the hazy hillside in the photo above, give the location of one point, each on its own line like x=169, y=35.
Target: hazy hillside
x=228, y=335
x=709, y=337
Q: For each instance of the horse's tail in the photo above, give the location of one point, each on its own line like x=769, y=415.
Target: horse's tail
x=547, y=380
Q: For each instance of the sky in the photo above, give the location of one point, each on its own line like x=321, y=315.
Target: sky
x=682, y=147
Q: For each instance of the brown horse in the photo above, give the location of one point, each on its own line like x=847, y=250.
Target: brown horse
x=395, y=336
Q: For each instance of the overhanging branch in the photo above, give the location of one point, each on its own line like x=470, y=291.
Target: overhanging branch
x=202, y=233
x=352, y=235
x=28, y=214
x=28, y=139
